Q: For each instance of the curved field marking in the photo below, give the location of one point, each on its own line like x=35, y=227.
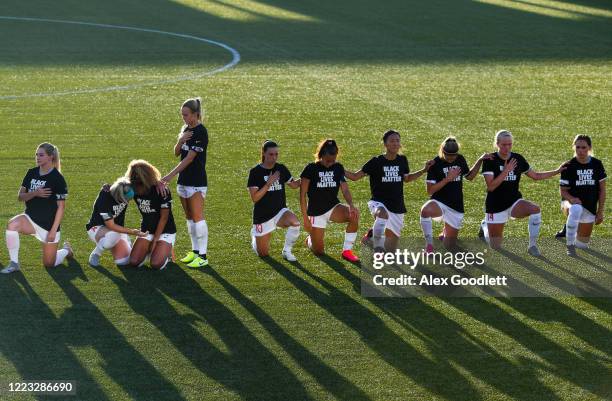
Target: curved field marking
x=235, y=58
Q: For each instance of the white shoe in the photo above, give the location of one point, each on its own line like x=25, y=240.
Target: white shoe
x=289, y=256
x=68, y=247
x=581, y=245
x=12, y=267
x=94, y=259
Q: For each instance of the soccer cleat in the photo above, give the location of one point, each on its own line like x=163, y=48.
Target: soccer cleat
x=561, y=233
x=571, y=251
x=190, y=257
x=367, y=238
x=349, y=256
x=581, y=245
x=94, y=260
x=289, y=257
x=12, y=267
x=481, y=232
x=198, y=262
x=429, y=248
x=534, y=251
x=68, y=247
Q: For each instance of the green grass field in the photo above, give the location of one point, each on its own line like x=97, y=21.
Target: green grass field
x=253, y=329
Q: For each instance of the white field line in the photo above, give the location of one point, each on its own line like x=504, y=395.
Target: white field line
x=235, y=58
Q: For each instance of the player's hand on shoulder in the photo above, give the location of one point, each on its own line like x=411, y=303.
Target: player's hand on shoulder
x=428, y=164
x=162, y=188
x=105, y=187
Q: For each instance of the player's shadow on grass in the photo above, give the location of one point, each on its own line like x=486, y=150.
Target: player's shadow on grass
x=247, y=367
x=451, y=344
x=33, y=339
x=83, y=324
x=439, y=377
x=336, y=384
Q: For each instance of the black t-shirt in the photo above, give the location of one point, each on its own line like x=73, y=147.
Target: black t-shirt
x=387, y=181
x=324, y=186
x=583, y=181
x=274, y=200
x=507, y=192
x=42, y=210
x=106, y=208
x=450, y=194
x=194, y=174
x=150, y=206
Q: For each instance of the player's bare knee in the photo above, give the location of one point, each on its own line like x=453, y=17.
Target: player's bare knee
x=535, y=209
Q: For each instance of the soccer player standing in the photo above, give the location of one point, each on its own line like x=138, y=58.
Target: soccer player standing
x=192, y=180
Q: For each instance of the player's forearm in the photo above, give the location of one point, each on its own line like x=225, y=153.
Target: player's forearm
x=26, y=196
x=414, y=176
x=544, y=174
x=474, y=170
x=433, y=188
x=59, y=215
x=601, y=203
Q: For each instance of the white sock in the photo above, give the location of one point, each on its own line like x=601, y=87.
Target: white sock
x=573, y=219
x=109, y=241
x=581, y=245
x=378, y=232
x=201, y=229
x=349, y=240
x=291, y=236
x=192, y=235
x=535, y=221
x=12, y=243
x=254, y=245
x=485, y=229
x=309, y=242
x=426, y=226
x=122, y=261
x=60, y=256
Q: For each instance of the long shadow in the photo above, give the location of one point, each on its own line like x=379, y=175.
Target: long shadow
x=341, y=31
x=248, y=367
x=585, y=370
x=332, y=381
x=448, y=341
x=377, y=336
x=32, y=338
x=83, y=324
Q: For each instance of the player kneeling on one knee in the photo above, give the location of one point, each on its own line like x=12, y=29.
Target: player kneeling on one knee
x=157, y=218
x=502, y=174
x=106, y=224
x=266, y=185
x=583, y=194
x=44, y=191
x=321, y=182
x=387, y=173
x=445, y=187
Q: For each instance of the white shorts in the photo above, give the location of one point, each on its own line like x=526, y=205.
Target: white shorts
x=395, y=222
x=40, y=233
x=449, y=215
x=267, y=227
x=169, y=238
x=501, y=217
x=322, y=220
x=187, y=192
x=91, y=233
x=585, y=217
